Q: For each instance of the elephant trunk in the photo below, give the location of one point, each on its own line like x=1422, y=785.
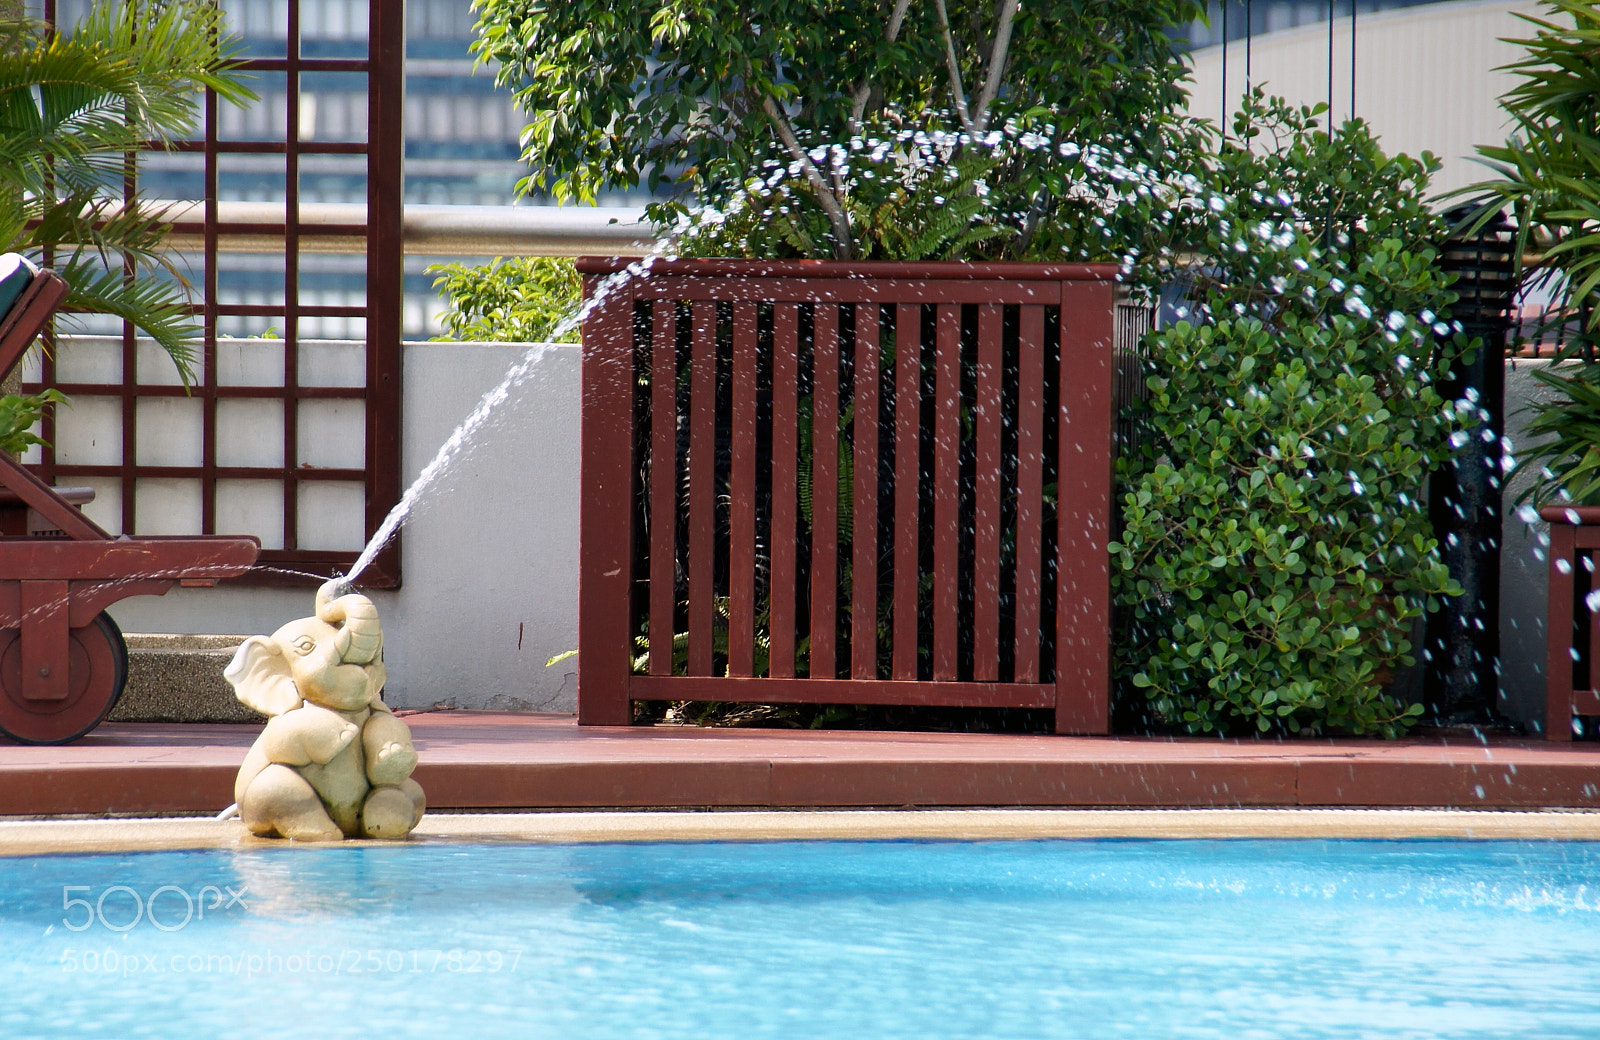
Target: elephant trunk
x=360, y=638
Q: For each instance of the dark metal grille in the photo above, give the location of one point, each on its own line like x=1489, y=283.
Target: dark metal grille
x=1463, y=634
x=1130, y=354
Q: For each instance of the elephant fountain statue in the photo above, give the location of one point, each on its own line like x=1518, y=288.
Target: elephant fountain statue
x=333, y=761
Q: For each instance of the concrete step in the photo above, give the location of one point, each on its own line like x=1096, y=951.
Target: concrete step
x=178, y=678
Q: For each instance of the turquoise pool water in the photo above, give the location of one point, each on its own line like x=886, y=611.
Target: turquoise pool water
x=880, y=939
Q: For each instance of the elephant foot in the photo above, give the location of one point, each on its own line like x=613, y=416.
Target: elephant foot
x=280, y=802
x=392, y=764
x=392, y=811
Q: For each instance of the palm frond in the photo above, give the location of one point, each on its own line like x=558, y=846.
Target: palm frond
x=157, y=308
x=72, y=105
x=86, y=223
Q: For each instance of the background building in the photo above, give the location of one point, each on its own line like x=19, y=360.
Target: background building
x=461, y=146
x=1420, y=73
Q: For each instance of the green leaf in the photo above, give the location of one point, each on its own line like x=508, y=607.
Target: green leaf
x=1256, y=591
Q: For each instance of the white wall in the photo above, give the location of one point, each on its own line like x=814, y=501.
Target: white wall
x=489, y=560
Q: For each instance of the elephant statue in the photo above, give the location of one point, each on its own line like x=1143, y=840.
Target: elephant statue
x=333, y=761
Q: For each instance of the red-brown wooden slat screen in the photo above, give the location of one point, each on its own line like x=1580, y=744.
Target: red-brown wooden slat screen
x=286, y=559
x=1572, y=681
x=833, y=483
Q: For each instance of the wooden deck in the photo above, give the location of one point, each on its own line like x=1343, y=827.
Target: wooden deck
x=494, y=760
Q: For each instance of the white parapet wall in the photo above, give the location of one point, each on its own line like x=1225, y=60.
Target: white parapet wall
x=489, y=559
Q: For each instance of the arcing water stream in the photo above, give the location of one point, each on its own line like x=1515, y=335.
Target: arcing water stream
x=463, y=434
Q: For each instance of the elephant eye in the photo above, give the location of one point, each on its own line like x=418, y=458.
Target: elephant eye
x=304, y=645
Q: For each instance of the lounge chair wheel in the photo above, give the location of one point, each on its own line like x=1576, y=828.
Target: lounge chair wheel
x=97, y=671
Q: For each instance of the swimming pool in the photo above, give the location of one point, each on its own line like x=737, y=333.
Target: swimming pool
x=1101, y=938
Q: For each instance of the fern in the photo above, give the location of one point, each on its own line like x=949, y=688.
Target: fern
x=940, y=214
x=845, y=494
x=721, y=608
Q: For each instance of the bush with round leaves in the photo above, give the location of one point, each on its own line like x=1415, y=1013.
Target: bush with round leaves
x=1275, y=548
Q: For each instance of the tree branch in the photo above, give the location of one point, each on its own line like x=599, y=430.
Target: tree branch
x=997, y=62
x=858, y=99
x=954, y=68
x=1030, y=226
x=1042, y=204
x=896, y=17
x=838, y=220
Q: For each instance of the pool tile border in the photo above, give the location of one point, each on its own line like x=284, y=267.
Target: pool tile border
x=41, y=837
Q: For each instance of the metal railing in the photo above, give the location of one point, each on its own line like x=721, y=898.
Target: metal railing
x=332, y=227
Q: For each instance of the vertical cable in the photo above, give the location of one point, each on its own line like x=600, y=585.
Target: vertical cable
x=1352, y=59
x=1327, y=224
x=1249, y=34
x=1222, y=120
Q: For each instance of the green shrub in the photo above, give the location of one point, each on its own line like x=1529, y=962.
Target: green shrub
x=522, y=300
x=19, y=414
x=1276, y=547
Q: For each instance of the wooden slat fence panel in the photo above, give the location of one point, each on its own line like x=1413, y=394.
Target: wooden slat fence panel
x=846, y=475
x=663, y=485
x=702, y=475
x=986, y=524
x=946, y=487
x=824, y=488
x=785, y=445
x=1572, y=623
x=1030, y=421
x=1083, y=516
x=605, y=548
x=864, y=562
x=907, y=470
x=742, y=497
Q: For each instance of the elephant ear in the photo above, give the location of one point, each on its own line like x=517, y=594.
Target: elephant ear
x=260, y=677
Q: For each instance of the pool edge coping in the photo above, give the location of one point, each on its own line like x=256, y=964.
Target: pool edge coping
x=47, y=836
